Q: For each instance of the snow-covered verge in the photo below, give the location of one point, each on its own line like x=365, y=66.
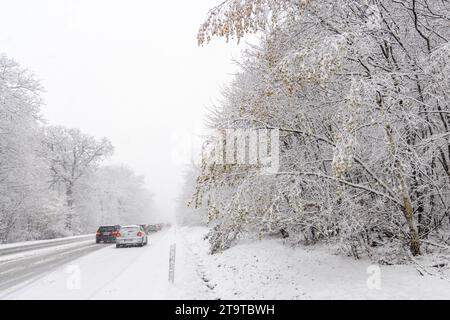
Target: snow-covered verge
x=268, y=269
x=23, y=244
x=26, y=248
x=40, y=250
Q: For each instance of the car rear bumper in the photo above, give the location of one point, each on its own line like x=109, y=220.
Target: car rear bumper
x=106, y=238
x=130, y=241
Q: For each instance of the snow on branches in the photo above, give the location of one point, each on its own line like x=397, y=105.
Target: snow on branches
x=359, y=91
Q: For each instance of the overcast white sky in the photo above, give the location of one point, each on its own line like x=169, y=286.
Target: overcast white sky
x=127, y=70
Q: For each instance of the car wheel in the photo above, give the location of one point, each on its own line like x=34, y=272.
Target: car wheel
x=97, y=241
x=117, y=245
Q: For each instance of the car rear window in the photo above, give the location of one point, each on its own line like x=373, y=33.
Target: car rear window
x=106, y=229
x=131, y=229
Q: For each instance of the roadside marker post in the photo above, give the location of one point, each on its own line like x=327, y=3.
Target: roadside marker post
x=173, y=248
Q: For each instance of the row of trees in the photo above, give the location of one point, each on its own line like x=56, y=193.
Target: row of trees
x=51, y=181
x=359, y=90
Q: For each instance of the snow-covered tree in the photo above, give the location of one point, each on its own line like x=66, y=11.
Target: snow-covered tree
x=51, y=179
x=112, y=195
x=73, y=154
x=360, y=93
x=28, y=209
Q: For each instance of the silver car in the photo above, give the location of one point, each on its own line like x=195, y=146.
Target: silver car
x=133, y=235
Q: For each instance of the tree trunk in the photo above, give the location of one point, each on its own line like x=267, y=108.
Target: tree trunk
x=69, y=199
x=408, y=212
x=414, y=243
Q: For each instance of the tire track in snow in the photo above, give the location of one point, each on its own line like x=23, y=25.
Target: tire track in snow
x=121, y=271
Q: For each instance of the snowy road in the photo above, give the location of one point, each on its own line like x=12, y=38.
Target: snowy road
x=20, y=267
x=104, y=272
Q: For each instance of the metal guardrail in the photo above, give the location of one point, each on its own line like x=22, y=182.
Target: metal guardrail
x=22, y=247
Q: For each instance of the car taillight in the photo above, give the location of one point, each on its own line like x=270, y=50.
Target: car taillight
x=98, y=233
x=139, y=234
x=117, y=234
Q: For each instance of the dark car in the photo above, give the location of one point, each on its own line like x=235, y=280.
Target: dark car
x=151, y=228
x=107, y=234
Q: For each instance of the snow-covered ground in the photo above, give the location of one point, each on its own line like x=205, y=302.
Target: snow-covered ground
x=42, y=250
x=264, y=269
x=268, y=269
x=42, y=242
